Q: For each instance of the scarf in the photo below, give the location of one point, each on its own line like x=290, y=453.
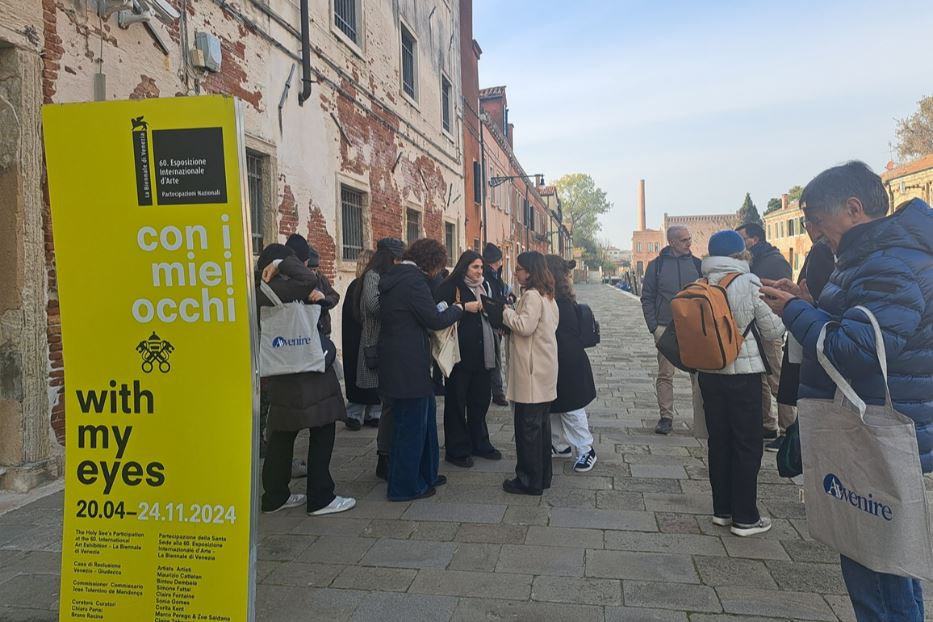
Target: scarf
x=489, y=343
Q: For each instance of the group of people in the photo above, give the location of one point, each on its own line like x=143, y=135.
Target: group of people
x=862, y=256
x=400, y=296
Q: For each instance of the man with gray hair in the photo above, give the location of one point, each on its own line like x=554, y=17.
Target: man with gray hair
x=665, y=275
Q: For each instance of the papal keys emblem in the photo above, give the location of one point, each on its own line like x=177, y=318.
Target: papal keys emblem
x=155, y=350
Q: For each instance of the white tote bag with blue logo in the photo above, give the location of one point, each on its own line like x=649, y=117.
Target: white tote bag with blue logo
x=288, y=337
x=862, y=476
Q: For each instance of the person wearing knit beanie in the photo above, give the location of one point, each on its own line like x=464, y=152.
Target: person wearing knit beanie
x=725, y=244
x=491, y=253
x=300, y=245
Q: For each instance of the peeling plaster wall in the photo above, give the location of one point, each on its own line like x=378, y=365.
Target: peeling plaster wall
x=357, y=128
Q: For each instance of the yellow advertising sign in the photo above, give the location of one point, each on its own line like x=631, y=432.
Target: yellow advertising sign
x=155, y=288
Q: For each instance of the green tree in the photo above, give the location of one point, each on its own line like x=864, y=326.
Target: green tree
x=915, y=133
x=773, y=205
x=582, y=202
x=748, y=213
x=793, y=194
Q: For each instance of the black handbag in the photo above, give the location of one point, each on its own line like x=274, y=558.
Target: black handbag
x=371, y=357
x=668, y=346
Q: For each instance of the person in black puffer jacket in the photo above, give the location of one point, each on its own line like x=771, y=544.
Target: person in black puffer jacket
x=302, y=401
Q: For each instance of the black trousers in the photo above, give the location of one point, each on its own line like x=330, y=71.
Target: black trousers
x=533, y=445
x=733, y=418
x=277, y=468
x=466, y=402
x=386, y=431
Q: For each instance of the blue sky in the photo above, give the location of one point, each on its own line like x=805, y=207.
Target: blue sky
x=705, y=100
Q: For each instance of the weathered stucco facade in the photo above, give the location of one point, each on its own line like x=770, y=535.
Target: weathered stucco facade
x=364, y=157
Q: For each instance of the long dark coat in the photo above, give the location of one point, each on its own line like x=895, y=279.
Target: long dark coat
x=408, y=312
x=306, y=400
x=575, y=385
x=351, y=331
x=470, y=329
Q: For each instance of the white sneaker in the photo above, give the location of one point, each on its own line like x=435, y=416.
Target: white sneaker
x=339, y=504
x=763, y=525
x=565, y=454
x=293, y=502
x=722, y=521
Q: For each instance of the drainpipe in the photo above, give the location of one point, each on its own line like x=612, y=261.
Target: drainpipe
x=482, y=175
x=305, y=54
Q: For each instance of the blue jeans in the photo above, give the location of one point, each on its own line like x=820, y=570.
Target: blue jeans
x=879, y=597
x=363, y=412
x=413, y=460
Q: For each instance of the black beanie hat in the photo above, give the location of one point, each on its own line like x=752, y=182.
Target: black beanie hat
x=393, y=245
x=302, y=249
x=491, y=253
x=314, y=257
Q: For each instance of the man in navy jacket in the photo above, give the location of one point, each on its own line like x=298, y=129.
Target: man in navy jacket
x=885, y=263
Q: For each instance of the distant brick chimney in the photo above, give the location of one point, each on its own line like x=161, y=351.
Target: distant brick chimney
x=641, y=204
x=784, y=201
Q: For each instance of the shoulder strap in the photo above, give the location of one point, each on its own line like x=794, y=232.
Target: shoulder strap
x=456, y=294
x=727, y=280
x=270, y=294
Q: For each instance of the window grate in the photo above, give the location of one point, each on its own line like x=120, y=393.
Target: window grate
x=408, y=62
x=445, y=103
x=345, y=18
x=255, y=183
x=477, y=183
x=413, y=227
x=351, y=209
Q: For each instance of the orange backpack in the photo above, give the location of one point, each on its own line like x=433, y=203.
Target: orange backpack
x=707, y=334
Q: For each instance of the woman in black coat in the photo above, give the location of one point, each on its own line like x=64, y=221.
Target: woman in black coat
x=363, y=405
x=304, y=401
x=407, y=313
x=570, y=432
x=467, y=390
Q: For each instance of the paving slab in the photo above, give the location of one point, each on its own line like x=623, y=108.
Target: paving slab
x=541, y=560
x=494, y=534
x=565, y=536
x=638, y=614
x=455, y=512
x=483, y=610
x=409, y=554
x=390, y=607
x=730, y=571
x=586, y=591
x=603, y=519
x=475, y=556
x=465, y=583
x=301, y=574
x=641, y=566
x=797, y=605
x=661, y=596
x=689, y=544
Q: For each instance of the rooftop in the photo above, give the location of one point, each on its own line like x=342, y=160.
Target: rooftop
x=920, y=164
x=492, y=91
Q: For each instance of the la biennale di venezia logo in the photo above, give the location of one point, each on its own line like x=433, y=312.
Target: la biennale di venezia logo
x=834, y=487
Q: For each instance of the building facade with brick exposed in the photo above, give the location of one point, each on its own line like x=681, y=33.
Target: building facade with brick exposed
x=375, y=151
x=913, y=180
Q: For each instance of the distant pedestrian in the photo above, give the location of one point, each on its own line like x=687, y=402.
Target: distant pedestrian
x=363, y=405
x=570, y=430
x=668, y=273
x=408, y=312
x=732, y=395
x=466, y=391
x=301, y=401
x=532, y=382
x=492, y=272
x=388, y=253
x=769, y=264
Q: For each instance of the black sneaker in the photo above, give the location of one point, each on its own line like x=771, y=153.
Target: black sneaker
x=353, y=425
x=515, y=487
x=493, y=454
x=499, y=400
x=585, y=462
x=775, y=445
x=464, y=463
x=371, y=423
x=665, y=426
x=565, y=453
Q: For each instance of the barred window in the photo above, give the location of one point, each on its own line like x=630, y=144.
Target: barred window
x=351, y=212
x=477, y=182
x=345, y=18
x=413, y=226
x=408, y=62
x=256, y=182
x=445, y=103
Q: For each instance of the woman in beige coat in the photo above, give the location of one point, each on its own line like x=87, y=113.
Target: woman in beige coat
x=532, y=373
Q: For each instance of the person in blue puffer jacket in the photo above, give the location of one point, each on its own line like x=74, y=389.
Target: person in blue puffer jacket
x=884, y=263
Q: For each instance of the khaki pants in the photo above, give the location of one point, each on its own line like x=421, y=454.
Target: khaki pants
x=664, y=384
x=774, y=351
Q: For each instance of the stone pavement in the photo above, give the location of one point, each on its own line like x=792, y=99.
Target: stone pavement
x=631, y=540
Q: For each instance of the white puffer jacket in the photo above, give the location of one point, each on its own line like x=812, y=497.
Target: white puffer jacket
x=746, y=306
